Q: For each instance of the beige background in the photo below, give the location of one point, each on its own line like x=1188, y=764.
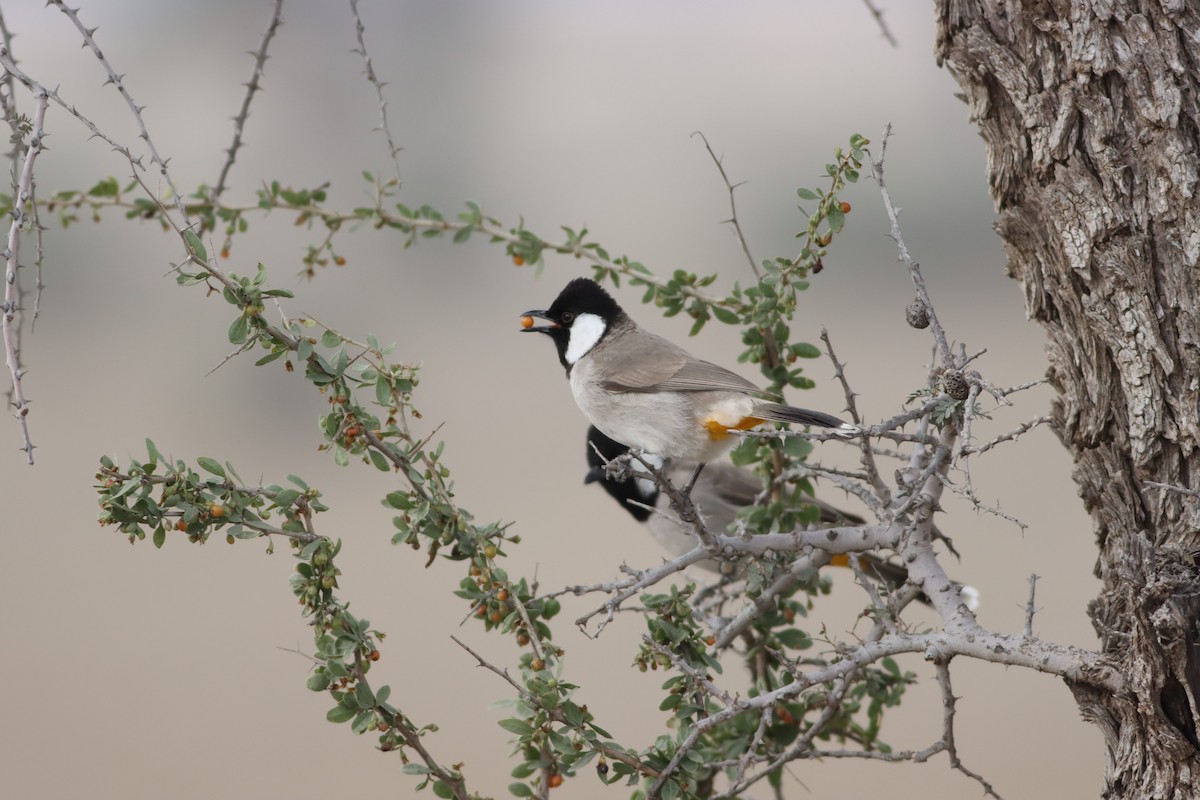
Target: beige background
x=137, y=673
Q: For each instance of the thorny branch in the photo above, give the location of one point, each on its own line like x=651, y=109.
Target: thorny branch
x=939, y=334
x=733, y=215
x=22, y=220
x=119, y=82
x=369, y=71
x=252, y=87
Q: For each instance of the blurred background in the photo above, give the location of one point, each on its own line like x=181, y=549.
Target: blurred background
x=163, y=673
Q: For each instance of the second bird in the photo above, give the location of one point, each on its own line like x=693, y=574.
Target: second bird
x=645, y=392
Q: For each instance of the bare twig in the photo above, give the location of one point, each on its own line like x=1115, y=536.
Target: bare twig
x=252, y=86
x=119, y=82
x=914, y=269
x=948, y=707
x=803, y=568
x=867, y=458
x=877, y=13
x=962, y=455
x=1029, y=606
x=1010, y=436
x=369, y=71
x=22, y=220
x=733, y=215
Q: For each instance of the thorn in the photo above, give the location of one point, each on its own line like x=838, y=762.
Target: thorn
x=92, y=31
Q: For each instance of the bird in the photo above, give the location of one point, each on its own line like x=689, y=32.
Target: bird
x=647, y=393
x=720, y=492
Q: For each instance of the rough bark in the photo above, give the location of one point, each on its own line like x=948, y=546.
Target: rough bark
x=1090, y=112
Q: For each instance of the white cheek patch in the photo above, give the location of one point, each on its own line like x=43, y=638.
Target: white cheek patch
x=585, y=332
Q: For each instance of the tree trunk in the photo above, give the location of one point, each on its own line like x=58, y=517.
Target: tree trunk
x=1090, y=113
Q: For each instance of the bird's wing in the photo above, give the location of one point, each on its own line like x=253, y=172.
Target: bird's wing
x=652, y=364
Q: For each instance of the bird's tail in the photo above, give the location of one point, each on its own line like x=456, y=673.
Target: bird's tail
x=803, y=416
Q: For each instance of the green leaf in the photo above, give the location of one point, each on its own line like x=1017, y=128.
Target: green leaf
x=517, y=726
x=341, y=714
x=725, y=315
x=269, y=357
x=382, y=695
x=413, y=768
x=362, y=721
x=160, y=536
x=379, y=461
x=807, y=194
x=442, y=789
x=210, y=465
x=794, y=639
x=239, y=329
x=520, y=790
x=364, y=695
x=195, y=245
x=400, y=500
x=285, y=497
x=805, y=350
x=105, y=188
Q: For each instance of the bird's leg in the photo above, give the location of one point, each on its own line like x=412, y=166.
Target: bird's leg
x=620, y=469
x=687, y=489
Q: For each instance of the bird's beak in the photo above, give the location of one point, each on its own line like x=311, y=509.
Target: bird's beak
x=528, y=326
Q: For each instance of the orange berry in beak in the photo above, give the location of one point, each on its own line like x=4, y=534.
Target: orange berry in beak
x=526, y=321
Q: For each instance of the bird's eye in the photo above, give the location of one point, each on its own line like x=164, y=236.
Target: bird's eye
x=567, y=318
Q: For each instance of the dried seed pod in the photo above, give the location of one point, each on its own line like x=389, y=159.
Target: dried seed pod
x=916, y=315
x=956, y=384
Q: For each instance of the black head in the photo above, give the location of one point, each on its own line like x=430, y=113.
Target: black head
x=581, y=299
x=632, y=489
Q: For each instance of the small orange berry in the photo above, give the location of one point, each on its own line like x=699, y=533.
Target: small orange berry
x=845, y=208
x=518, y=261
x=225, y=252
x=181, y=525
x=555, y=780
x=502, y=595
x=537, y=665
x=496, y=616
x=339, y=260
x=374, y=655
x=526, y=321
x=216, y=511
